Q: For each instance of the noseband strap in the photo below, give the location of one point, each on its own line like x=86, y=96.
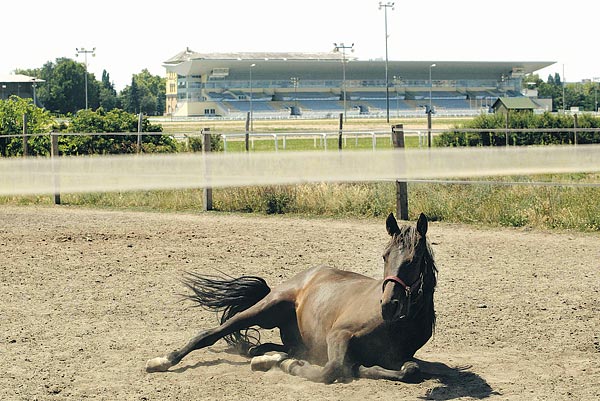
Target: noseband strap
x=409, y=289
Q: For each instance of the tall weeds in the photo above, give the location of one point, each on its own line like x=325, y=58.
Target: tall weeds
x=546, y=207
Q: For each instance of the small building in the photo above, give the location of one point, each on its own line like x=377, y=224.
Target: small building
x=19, y=85
x=509, y=104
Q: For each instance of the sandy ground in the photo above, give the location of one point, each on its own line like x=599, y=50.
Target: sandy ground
x=88, y=296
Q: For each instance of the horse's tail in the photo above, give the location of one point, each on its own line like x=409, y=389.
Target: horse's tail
x=228, y=296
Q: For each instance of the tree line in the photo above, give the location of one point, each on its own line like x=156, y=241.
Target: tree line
x=583, y=95
x=40, y=122
x=63, y=92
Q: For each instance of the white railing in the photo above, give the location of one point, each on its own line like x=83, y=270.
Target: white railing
x=320, y=138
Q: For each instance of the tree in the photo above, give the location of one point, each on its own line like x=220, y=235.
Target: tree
x=134, y=97
x=11, y=123
x=108, y=94
x=118, y=121
x=63, y=91
x=146, y=94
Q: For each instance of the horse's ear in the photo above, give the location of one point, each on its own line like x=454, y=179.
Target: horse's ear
x=422, y=225
x=392, y=225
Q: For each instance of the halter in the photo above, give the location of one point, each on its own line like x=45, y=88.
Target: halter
x=408, y=289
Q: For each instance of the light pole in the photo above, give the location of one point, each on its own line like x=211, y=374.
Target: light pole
x=251, y=110
x=430, y=110
x=3, y=88
x=85, y=53
x=563, y=90
x=596, y=80
x=337, y=48
x=387, y=89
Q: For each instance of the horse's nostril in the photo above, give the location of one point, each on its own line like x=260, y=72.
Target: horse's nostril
x=389, y=309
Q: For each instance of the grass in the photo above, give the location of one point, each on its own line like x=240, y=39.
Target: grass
x=316, y=143
x=547, y=207
x=300, y=125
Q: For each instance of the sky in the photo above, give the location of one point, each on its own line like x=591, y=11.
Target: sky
x=130, y=35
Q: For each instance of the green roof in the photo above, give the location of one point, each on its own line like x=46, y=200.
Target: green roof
x=515, y=103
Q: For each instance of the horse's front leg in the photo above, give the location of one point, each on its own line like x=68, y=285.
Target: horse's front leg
x=409, y=373
x=336, y=368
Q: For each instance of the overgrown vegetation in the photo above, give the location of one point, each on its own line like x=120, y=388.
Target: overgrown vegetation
x=543, y=207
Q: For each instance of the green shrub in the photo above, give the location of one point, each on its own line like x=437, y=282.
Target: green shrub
x=521, y=120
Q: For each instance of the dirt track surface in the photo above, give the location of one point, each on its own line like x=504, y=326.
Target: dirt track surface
x=88, y=296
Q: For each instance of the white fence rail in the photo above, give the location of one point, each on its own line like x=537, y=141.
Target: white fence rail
x=320, y=138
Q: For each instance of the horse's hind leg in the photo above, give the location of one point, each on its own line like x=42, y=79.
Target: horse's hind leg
x=262, y=349
x=268, y=313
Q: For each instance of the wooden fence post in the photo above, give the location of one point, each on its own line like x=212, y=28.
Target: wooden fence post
x=139, y=135
x=575, y=129
x=429, y=111
x=207, y=200
x=507, y=124
x=25, y=137
x=247, y=136
x=401, y=186
x=54, y=156
x=340, y=131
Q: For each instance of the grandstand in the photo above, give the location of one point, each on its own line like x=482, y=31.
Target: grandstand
x=279, y=85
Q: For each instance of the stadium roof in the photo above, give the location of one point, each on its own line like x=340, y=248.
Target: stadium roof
x=328, y=66
x=18, y=78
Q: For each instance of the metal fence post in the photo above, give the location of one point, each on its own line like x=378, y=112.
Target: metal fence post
x=401, y=186
x=207, y=199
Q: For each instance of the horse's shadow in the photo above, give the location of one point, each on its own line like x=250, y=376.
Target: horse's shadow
x=456, y=382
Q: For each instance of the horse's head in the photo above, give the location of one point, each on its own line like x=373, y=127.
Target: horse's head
x=405, y=267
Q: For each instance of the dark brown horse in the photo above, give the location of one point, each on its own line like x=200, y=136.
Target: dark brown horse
x=334, y=324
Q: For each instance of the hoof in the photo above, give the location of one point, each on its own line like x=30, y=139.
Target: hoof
x=411, y=373
x=289, y=364
x=160, y=364
x=265, y=362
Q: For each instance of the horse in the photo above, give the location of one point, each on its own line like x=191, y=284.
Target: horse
x=335, y=325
